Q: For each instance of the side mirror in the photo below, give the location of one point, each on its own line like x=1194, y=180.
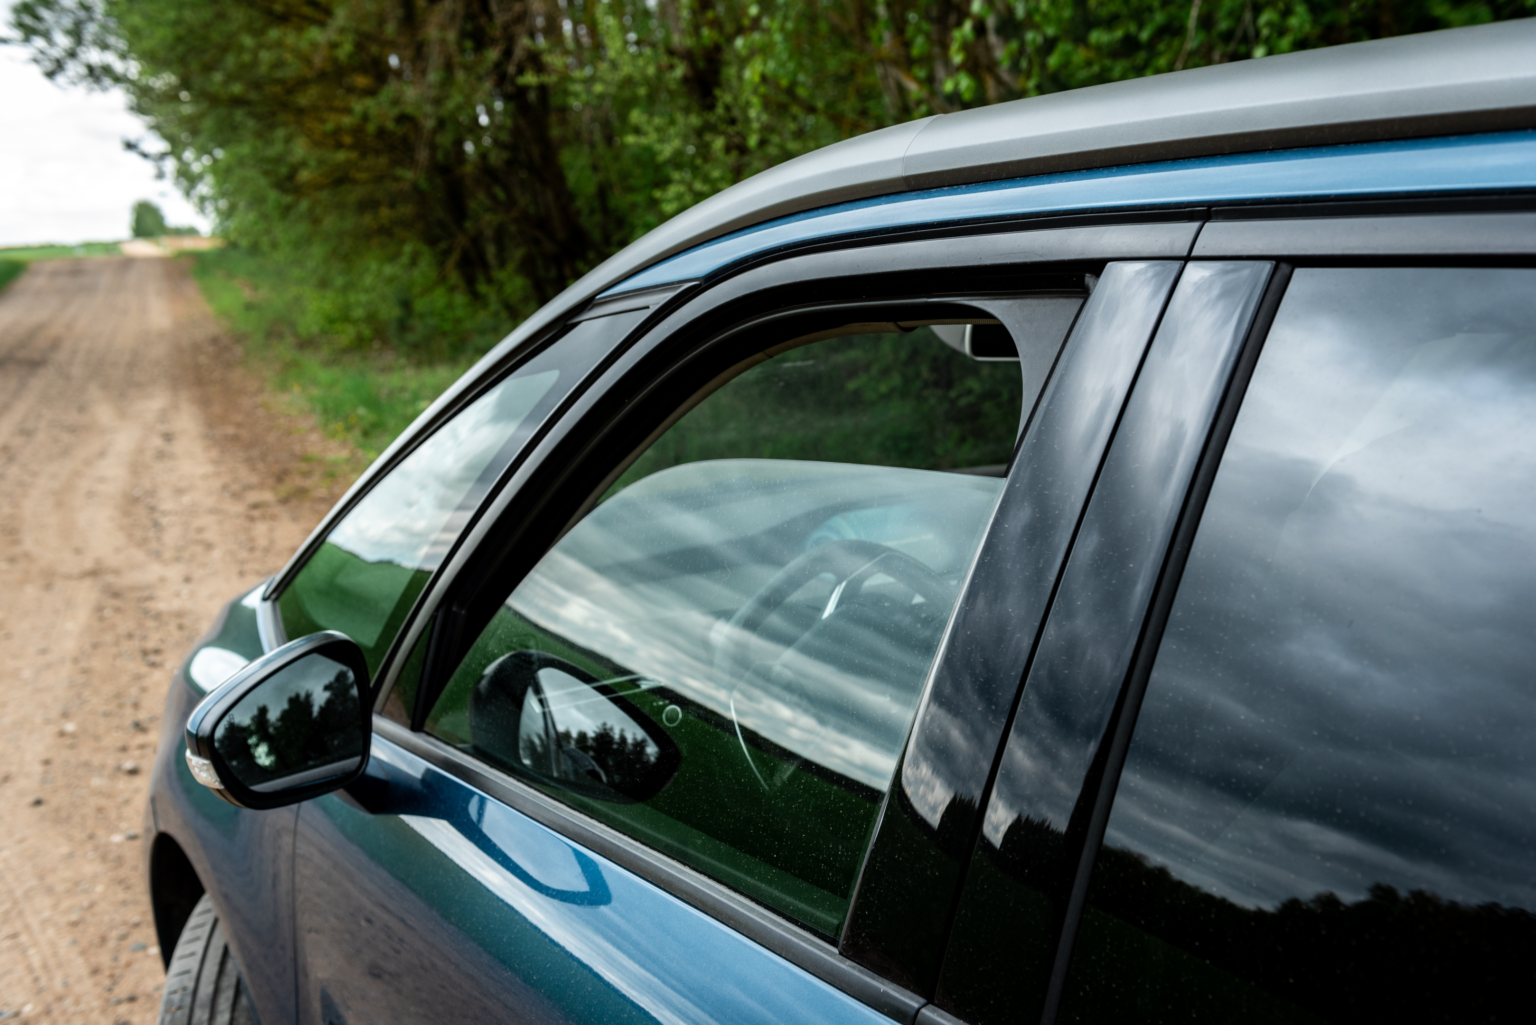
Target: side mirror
x=291, y=725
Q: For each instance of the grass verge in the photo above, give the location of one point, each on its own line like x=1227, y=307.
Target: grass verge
x=10, y=270
x=27, y=253
x=365, y=398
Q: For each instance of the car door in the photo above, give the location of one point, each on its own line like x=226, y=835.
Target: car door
x=1279, y=769
x=652, y=708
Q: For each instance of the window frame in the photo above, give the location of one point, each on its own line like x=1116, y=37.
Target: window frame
x=747, y=308
x=744, y=307
x=1494, y=233
x=454, y=402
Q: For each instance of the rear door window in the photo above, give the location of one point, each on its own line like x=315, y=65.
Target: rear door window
x=723, y=658
x=1328, y=809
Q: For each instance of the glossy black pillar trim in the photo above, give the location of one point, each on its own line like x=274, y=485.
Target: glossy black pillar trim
x=1002, y=945
x=1123, y=722
x=900, y=917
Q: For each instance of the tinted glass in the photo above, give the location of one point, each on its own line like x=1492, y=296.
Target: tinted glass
x=1328, y=810
x=302, y=725
x=724, y=657
x=367, y=573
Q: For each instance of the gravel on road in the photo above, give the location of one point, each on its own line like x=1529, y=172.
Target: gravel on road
x=144, y=480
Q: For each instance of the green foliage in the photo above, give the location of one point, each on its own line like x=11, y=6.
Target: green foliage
x=365, y=395
x=883, y=400
x=406, y=151
x=427, y=172
x=148, y=221
x=10, y=270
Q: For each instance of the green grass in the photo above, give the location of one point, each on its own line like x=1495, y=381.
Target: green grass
x=14, y=261
x=27, y=253
x=363, y=397
x=10, y=270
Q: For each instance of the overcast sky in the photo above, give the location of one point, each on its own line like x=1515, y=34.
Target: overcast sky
x=64, y=175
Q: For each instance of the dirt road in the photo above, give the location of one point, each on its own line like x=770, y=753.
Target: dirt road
x=140, y=476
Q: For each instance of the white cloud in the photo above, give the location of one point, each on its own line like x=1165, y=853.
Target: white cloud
x=64, y=175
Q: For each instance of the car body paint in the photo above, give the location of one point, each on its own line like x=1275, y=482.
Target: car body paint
x=442, y=902
x=1458, y=164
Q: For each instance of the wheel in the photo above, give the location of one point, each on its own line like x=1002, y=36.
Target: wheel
x=203, y=985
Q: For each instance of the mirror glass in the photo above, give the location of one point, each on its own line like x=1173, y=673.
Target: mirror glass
x=301, y=725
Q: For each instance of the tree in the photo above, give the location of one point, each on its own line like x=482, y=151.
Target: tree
x=401, y=153
x=148, y=221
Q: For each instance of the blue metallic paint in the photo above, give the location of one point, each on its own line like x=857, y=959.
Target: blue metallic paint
x=1459, y=164
x=445, y=904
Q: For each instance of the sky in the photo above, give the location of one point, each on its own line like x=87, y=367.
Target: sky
x=64, y=175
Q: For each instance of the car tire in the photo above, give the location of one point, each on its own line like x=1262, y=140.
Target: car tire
x=203, y=985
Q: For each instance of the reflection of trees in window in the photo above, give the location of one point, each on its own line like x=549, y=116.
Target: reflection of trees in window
x=623, y=760
x=1154, y=947
x=261, y=748
x=611, y=757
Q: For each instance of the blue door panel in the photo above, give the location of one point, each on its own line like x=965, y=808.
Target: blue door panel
x=446, y=904
x=374, y=949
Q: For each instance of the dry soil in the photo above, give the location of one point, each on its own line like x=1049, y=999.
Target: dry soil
x=144, y=480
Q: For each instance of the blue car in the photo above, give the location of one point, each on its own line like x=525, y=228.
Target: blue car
x=1068, y=560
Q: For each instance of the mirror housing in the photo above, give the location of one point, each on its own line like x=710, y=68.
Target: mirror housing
x=292, y=725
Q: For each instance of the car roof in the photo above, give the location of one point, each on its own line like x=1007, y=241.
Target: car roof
x=1444, y=165
x=1456, y=81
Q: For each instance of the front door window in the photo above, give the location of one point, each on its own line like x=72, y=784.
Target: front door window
x=723, y=658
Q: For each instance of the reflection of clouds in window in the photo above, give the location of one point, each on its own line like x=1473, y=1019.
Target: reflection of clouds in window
x=650, y=578
x=928, y=792
x=651, y=631
x=1039, y=780
x=1344, y=696
x=403, y=519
